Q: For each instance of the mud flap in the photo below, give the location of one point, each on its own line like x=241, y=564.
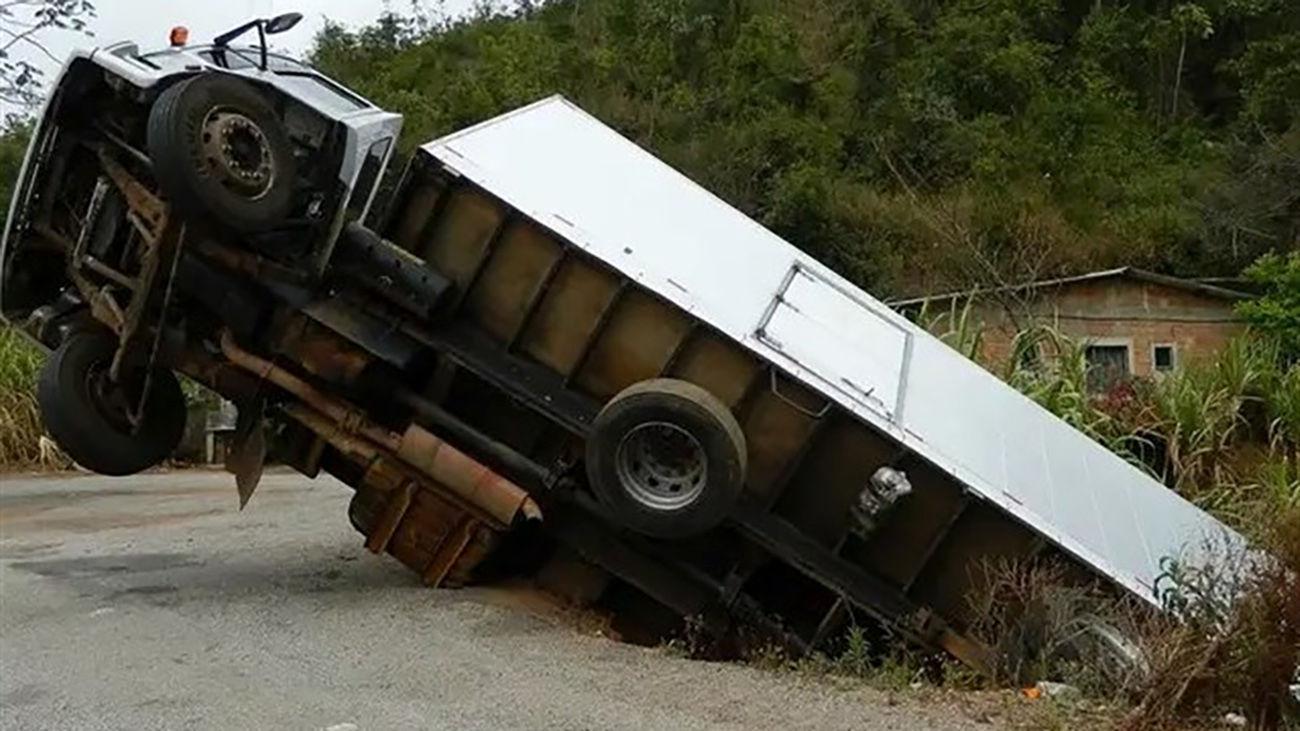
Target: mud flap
x=247, y=455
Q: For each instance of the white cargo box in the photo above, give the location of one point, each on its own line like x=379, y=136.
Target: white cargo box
x=638, y=215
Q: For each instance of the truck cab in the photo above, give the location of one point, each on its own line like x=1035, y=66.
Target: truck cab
x=257, y=145
x=139, y=161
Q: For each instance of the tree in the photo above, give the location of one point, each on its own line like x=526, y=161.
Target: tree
x=914, y=146
x=13, y=145
x=21, y=25
x=1276, y=313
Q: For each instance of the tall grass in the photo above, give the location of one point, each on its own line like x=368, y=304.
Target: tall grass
x=1284, y=415
x=958, y=328
x=1236, y=644
x=1199, y=416
x=1232, y=427
x=20, y=423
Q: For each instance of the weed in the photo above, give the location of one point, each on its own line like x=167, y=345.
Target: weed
x=1283, y=403
x=1033, y=620
x=21, y=434
x=693, y=642
x=957, y=328
x=1236, y=644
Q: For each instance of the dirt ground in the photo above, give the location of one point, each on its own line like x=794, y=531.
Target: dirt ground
x=152, y=603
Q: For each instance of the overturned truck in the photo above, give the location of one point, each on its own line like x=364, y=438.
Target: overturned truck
x=549, y=331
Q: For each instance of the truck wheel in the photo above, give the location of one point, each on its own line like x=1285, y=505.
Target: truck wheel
x=86, y=413
x=218, y=150
x=667, y=458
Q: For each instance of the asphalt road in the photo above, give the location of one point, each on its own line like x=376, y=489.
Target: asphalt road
x=152, y=603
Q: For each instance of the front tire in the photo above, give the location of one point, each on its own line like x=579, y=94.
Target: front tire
x=87, y=414
x=219, y=150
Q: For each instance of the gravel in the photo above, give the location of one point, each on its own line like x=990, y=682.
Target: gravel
x=153, y=603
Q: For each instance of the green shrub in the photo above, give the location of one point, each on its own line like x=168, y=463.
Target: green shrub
x=1276, y=313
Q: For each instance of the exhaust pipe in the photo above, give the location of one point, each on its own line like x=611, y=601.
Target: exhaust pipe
x=452, y=469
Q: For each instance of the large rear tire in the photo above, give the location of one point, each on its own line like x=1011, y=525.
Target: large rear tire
x=219, y=150
x=86, y=413
x=667, y=458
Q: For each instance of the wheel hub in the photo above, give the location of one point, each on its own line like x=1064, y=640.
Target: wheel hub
x=661, y=465
x=111, y=399
x=237, y=152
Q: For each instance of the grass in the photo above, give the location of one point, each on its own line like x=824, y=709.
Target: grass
x=22, y=438
x=1284, y=414
x=958, y=328
x=1236, y=644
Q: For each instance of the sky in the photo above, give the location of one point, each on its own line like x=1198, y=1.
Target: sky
x=148, y=22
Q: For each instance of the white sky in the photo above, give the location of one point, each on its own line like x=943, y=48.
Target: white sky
x=147, y=22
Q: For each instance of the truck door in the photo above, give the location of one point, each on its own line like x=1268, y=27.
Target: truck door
x=851, y=344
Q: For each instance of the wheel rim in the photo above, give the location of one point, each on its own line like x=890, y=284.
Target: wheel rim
x=237, y=153
x=661, y=465
x=111, y=400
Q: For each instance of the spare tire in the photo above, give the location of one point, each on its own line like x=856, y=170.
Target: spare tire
x=667, y=458
x=219, y=150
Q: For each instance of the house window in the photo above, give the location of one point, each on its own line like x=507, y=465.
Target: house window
x=1162, y=358
x=1107, y=365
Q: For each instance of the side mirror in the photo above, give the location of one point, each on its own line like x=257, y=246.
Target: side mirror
x=281, y=23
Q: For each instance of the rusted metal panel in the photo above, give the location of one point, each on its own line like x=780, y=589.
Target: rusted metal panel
x=568, y=315
x=417, y=526
x=449, y=550
x=394, y=510
x=511, y=278
x=320, y=351
x=776, y=427
x=716, y=365
x=640, y=337
x=461, y=235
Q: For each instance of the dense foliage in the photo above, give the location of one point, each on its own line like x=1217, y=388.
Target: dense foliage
x=13, y=145
x=909, y=143
x=1276, y=313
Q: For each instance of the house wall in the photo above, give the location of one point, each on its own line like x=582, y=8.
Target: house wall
x=1118, y=311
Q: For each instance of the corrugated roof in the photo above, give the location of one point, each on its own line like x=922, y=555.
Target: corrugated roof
x=1190, y=285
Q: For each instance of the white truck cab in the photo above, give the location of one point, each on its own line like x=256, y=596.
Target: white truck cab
x=338, y=143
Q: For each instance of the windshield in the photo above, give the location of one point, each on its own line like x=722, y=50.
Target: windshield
x=236, y=58
x=250, y=58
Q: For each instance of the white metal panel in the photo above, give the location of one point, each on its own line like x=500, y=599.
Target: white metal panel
x=574, y=175
x=841, y=339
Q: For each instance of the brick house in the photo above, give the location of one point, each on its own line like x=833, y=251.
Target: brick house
x=1132, y=322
